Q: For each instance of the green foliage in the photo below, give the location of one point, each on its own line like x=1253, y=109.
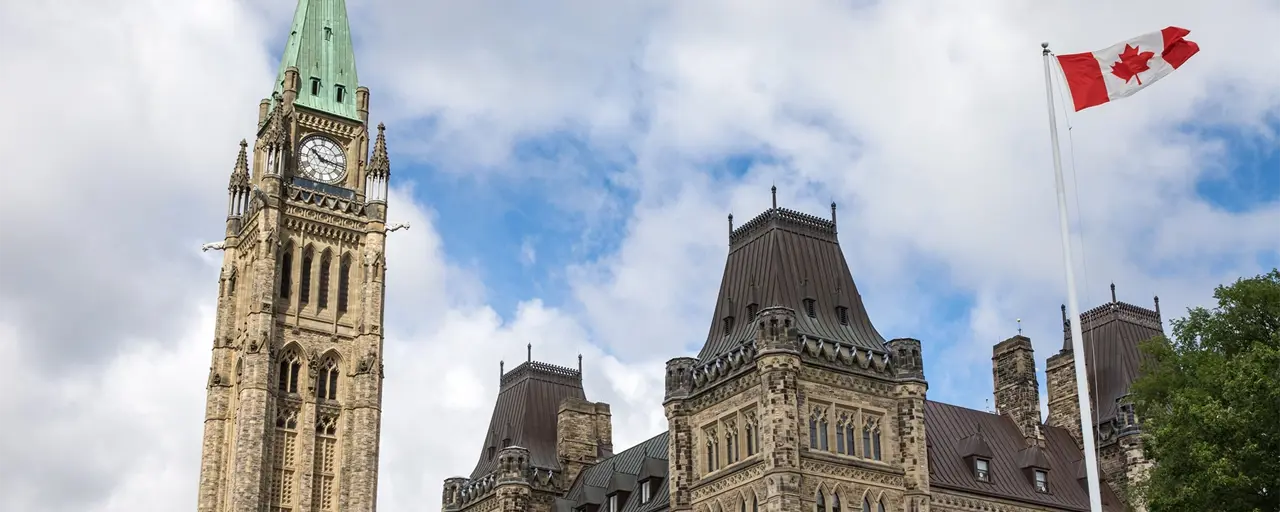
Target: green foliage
x=1209, y=401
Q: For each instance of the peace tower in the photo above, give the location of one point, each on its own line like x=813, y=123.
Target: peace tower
x=295, y=387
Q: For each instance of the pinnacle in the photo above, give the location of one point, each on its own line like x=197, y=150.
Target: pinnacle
x=379, y=163
x=240, y=174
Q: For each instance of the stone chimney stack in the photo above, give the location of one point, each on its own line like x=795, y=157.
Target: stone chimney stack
x=584, y=435
x=1013, y=367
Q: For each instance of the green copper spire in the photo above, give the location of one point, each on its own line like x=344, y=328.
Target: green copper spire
x=320, y=47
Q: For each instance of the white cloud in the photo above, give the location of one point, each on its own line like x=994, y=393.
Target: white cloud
x=924, y=120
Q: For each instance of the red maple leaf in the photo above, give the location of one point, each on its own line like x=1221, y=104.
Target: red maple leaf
x=1131, y=63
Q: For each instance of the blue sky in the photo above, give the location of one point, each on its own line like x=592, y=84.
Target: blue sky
x=567, y=169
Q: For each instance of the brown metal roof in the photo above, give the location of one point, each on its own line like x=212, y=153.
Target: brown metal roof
x=1111, y=334
x=628, y=468
x=525, y=413
x=951, y=431
x=781, y=258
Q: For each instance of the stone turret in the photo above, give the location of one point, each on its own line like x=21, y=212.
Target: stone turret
x=682, y=472
x=513, y=488
x=778, y=362
x=911, y=392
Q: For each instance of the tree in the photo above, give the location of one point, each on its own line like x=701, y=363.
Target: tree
x=1209, y=401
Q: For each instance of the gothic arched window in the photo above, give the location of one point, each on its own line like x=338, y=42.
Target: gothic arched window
x=286, y=272
x=327, y=380
x=290, y=367
x=835, y=502
x=821, y=504
x=880, y=505
x=323, y=300
x=344, y=281
x=866, y=505
x=304, y=280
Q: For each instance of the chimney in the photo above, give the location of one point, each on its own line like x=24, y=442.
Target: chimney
x=584, y=435
x=1013, y=368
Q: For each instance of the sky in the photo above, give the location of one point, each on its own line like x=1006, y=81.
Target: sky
x=567, y=167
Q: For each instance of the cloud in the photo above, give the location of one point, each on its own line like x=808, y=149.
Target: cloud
x=924, y=121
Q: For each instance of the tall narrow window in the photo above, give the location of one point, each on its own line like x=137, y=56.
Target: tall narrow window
x=842, y=313
x=866, y=505
x=875, y=443
x=835, y=503
x=850, y=439
x=751, y=434
x=322, y=300
x=324, y=468
x=813, y=432
x=284, y=447
x=840, y=436
x=821, y=504
x=304, y=280
x=290, y=367
x=755, y=504
x=315, y=86
x=231, y=284
x=752, y=310
x=982, y=470
x=822, y=434
x=728, y=325
x=344, y=282
x=880, y=505
x=286, y=272
x=613, y=503
x=644, y=491
x=339, y=93
x=1042, y=481
x=866, y=441
x=809, y=308
x=731, y=442
x=327, y=381
x=328, y=33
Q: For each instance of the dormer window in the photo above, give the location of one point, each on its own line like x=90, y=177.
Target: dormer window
x=843, y=314
x=982, y=470
x=728, y=325
x=752, y=310
x=506, y=442
x=1042, y=481
x=613, y=503
x=315, y=86
x=645, y=491
x=492, y=451
x=340, y=93
x=809, y=308
x=328, y=33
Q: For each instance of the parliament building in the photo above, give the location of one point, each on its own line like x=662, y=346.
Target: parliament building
x=796, y=402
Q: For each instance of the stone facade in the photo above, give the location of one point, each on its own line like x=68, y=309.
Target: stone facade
x=584, y=435
x=1064, y=405
x=295, y=389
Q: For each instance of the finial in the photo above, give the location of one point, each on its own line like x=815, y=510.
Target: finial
x=381, y=127
x=579, y=364
x=1019, y=327
x=1065, y=324
x=1113, y=292
x=529, y=348
x=731, y=224
x=775, y=196
x=244, y=143
x=501, y=370
x=1157, y=305
x=833, y=212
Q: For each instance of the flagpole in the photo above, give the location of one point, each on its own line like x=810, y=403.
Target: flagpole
x=1077, y=339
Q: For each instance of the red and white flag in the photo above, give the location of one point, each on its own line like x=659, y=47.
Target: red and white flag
x=1121, y=70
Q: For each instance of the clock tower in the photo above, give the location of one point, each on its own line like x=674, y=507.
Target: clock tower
x=293, y=414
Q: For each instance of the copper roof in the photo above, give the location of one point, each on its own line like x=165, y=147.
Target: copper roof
x=1111, y=334
x=525, y=413
x=781, y=258
x=623, y=472
x=955, y=432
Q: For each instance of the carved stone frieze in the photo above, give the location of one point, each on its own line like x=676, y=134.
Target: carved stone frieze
x=943, y=501
x=840, y=380
x=724, y=390
x=851, y=472
x=326, y=201
x=722, y=483
x=313, y=122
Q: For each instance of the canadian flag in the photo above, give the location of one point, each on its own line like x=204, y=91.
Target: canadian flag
x=1125, y=68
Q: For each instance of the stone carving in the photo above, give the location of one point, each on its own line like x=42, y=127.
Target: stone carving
x=214, y=378
x=850, y=472
x=728, y=482
x=216, y=246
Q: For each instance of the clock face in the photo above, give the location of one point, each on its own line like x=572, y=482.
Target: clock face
x=322, y=159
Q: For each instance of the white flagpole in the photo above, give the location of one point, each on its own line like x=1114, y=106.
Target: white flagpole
x=1077, y=339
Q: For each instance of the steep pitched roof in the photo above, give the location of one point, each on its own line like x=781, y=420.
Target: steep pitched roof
x=525, y=413
x=782, y=258
x=1111, y=334
x=320, y=47
x=954, y=432
x=624, y=471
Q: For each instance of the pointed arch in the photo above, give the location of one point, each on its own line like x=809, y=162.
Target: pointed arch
x=289, y=369
x=820, y=501
x=835, y=502
x=866, y=500
x=304, y=277
x=755, y=499
x=327, y=375
x=344, y=281
x=286, y=270
x=326, y=262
